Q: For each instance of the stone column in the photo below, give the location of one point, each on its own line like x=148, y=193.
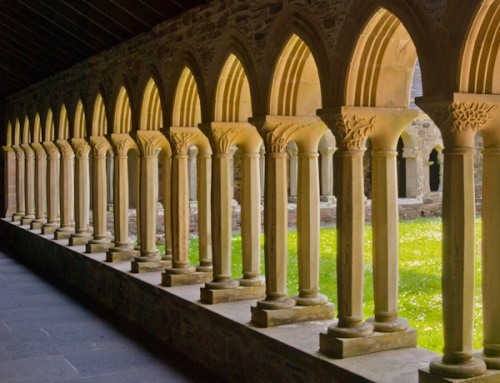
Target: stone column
x=226, y=138
x=386, y=130
x=327, y=173
x=100, y=241
x=204, y=197
x=193, y=153
x=20, y=171
x=40, y=186
x=491, y=231
x=149, y=143
x=458, y=118
x=29, y=184
x=262, y=168
x=123, y=249
x=10, y=181
x=166, y=159
x=410, y=156
x=53, y=160
x=292, y=170
x=82, y=192
x=110, y=167
x=66, y=190
x=350, y=132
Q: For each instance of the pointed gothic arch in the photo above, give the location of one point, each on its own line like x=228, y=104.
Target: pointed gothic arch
x=79, y=122
x=296, y=88
x=49, y=126
x=151, y=113
x=63, y=131
x=100, y=121
x=123, y=113
x=187, y=109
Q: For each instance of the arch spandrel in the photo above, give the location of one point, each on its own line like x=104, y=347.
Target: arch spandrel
x=382, y=64
x=296, y=88
x=481, y=53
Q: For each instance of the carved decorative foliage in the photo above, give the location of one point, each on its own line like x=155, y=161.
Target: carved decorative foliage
x=81, y=149
x=40, y=152
x=29, y=154
x=278, y=138
x=120, y=146
x=351, y=130
x=19, y=152
x=181, y=141
x=223, y=138
x=65, y=148
x=51, y=149
x=470, y=116
x=149, y=143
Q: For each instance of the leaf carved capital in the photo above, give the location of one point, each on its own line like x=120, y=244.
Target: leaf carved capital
x=181, y=141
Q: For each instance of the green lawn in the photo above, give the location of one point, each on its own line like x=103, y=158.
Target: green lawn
x=419, y=275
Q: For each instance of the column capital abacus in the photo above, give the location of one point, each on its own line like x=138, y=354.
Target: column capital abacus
x=327, y=152
x=65, y=149
x=51, y=149
x=40, y=152
x=100, y=145
x=7, y=148
x=80, y=147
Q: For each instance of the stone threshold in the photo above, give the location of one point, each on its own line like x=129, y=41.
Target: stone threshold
x=218, y=336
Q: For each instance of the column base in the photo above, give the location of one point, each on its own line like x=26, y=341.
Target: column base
x=240, y=293
x=27, y=220
x=149, y=266
x=490, y=376
x=98, y=247
x=79, y=239
x=492, y=362
x=49, y=228
x=328, y=198
x=400, y=324
x=205, y=269
x=36, y=224
x=16, y=217
x=196, y=278
x=267, y=318
x=259, y=281
x=63, y=233
x=318, y=300
x=341, y=348
x=121, y=255
x=474, y=367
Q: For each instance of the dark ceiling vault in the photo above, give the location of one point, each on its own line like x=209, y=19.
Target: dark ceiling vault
x=39, y=38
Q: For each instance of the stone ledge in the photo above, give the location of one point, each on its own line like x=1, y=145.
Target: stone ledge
x=219, y=336
x=196, y=278
x=149, y=267
x=425, y=376
x=98, y=247
x=378, y=341
x=240, y=293
x=120, y=256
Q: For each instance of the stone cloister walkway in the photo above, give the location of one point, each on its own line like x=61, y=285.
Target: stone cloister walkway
x=47, y=336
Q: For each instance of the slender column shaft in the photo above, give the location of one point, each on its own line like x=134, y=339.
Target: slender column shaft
x=262, y=164
x=52, y=183
x=82, y=192
x=327, y=172
x=250, y=217
x=121, y=201
x=308, y=230
x=385, y=240
x=20, y=171
x=180, y=211
x=221, y=216
x=192, y=151
x=110, y=177
x=29, y=186
x=490, y=246
x=167, y=211
x=205, y=210
x=66, y=186
x=148, y=198
x=40, y=183
x=293, y=166
x=10, y=181
x=99, y=194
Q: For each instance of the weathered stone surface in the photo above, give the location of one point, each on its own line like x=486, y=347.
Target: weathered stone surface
x=241, y=293
x=378, y=341
x=268, y=318
x=491, y=376
x=120, y=256
x=97, y=247
x=170, y=280
x=149, y=267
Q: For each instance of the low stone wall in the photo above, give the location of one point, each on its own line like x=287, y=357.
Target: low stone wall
x=220, y=336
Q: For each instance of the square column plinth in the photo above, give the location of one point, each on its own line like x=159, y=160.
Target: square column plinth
x=490, y=376
x=149, y=267
x=269, y=318
x=121, y=256
x=378, y=341
x=240, y=293
x=196, y=278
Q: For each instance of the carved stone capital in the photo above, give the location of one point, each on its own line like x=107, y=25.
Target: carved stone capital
x=65, y=149
x=29, y=154
x=40, y=153
x=100, y=145
x=350, y=130
x=121, y=144
x=51, y=149
x=80, y=147
x=182, y=138
x=19, y=152
x=150, y=141
x=327, y=152
x=224, y=136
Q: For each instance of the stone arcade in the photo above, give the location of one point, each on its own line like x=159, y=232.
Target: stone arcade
x=280, y=82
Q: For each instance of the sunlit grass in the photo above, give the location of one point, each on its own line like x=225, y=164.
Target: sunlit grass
x=419, y=275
